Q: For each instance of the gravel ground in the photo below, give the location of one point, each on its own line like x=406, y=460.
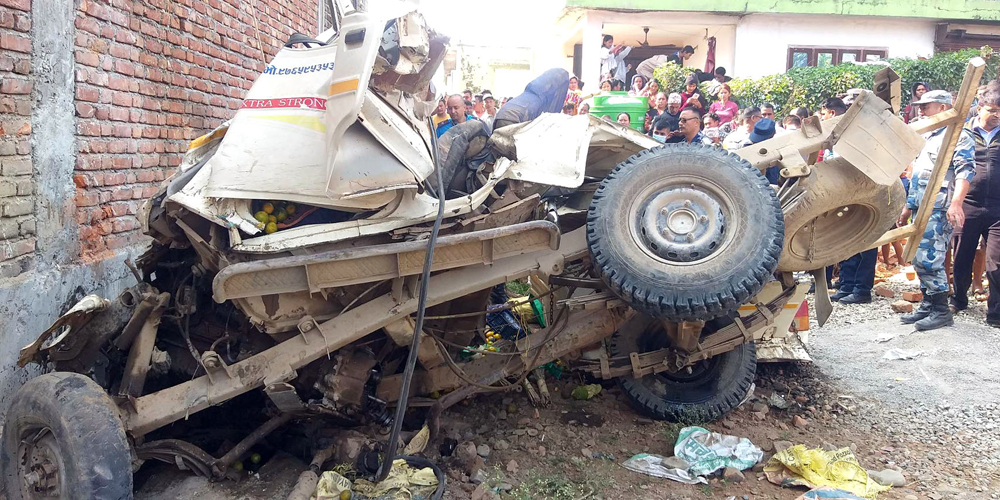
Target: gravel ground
x=940, y=407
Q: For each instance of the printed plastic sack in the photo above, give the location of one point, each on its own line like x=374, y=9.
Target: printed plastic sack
x=708, y=452
x=799, y=466
x=658, y=466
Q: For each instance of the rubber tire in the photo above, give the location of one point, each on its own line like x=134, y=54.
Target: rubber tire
x=707, y=399
x=703, y=290
x=97, y=463
x=834, y=184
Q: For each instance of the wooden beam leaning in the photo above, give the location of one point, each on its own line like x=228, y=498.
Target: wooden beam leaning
x=973, y=73
x=954, y=119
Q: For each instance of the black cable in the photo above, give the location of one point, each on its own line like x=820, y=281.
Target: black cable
x=411, y=358
x=422, y=462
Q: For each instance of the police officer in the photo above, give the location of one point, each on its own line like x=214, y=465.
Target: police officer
x=946, y=216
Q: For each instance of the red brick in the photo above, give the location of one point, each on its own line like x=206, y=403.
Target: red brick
x=10, y=86
x=24, y=5
x=902, y=306
x=87, y=94
x=17, y=43
x=84, y=110
x=87, y=58
x=913, y=296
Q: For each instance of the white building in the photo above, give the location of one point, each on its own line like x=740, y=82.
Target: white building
x=761, y=37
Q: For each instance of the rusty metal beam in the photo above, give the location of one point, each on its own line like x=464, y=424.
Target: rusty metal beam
x=280, y=362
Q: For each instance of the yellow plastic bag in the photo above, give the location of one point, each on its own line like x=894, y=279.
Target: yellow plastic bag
x=401, y=483
x=331, y=485
x=799, y=466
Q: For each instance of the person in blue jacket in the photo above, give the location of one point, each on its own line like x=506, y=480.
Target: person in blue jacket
x=456, y=112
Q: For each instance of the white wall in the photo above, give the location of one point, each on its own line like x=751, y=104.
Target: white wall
x=762, y=40
x=676, y=28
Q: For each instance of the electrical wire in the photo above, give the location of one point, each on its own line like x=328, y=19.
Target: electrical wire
x=411, y=358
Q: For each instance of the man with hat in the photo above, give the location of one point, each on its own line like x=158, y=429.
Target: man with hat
x=945, y=217
x=762, y=131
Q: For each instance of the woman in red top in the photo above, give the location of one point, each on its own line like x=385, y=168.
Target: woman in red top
x=726, y=109
x=691, y=97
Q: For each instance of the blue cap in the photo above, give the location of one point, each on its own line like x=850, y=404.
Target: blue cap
x=762, y=131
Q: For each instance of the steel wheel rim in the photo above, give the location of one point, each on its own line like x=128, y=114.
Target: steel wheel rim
x=683, y=220
x=40, y=464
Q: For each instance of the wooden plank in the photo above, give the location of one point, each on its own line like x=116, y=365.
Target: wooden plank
x=892, y=235
x=973, y=74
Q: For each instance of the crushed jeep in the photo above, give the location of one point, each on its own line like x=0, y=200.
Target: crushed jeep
x=323, y=257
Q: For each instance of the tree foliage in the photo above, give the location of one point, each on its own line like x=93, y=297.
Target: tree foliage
x=810, y=86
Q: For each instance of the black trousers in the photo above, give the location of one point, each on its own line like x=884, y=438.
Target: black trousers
x=978, y=223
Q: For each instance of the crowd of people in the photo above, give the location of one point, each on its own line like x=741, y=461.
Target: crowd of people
x=962, y=242
x=455, y=109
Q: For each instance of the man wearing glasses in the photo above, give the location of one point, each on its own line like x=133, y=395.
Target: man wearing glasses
x=982, y=207
x=689, y=128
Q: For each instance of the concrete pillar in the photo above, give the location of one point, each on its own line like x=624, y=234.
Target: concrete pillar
x=53, y=127
x=591, y=64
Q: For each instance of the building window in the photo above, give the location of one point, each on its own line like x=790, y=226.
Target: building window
x=800, y=57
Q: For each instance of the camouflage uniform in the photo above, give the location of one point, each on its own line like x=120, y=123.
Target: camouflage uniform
x=929, y=259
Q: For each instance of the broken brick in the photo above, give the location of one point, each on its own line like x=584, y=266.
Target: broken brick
x=902, y=307
x=884, y=291
x=913, y=296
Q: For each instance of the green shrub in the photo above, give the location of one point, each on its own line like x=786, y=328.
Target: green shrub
x=809, y=87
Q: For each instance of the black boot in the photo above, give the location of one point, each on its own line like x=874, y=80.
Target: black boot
x=843, y=292
x=940, y=314
x=922, y=312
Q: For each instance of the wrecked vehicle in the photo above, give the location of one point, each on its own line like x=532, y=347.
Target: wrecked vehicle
x=379, y=282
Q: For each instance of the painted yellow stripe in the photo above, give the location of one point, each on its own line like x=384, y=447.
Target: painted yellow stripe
x=344, y=86
x=309, y=122
x=201, y=141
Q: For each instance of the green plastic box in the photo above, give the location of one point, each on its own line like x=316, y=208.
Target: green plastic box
x=614, y=103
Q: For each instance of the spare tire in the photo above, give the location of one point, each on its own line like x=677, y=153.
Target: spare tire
x=707, y=391
x=685, y=232
x=842, y=212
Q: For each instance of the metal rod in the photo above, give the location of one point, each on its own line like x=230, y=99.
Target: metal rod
x=253, y=438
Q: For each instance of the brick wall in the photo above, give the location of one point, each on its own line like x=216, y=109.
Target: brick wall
x=17, y=222
x=150, y=76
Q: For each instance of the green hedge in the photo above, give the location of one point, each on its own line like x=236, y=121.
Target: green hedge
x=809, y=87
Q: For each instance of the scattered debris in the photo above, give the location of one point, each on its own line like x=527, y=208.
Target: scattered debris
x=331, y=486
x=913, y=296
x=884, y=291
x=828, y=493
x=902, y=307
x=888, y=477
x=513, y=467
x=733, y=475
x=586, y=391
x=778, y=401
x=901, y=354
x=656, y=466
x=708, y=452
x=799, y=421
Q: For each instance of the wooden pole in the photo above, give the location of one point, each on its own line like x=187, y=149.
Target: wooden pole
x=973, y=73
